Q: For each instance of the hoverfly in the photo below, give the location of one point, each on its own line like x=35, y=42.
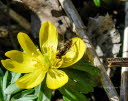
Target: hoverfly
x=118, y=62
x=64, y=49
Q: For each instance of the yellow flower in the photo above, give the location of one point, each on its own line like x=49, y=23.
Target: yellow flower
x=42, y=63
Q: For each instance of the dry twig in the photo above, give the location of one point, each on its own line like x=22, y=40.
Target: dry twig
x=15, y=16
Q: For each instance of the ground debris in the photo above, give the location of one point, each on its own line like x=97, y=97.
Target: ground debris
x=104, y=36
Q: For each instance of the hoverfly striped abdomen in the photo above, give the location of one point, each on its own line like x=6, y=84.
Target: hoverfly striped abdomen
x=64, y=49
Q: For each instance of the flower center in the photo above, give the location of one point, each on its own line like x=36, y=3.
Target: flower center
x=41, y=63
x=57, y=63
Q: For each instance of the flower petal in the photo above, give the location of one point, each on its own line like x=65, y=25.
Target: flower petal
x=19, y=62
x=56, y=78
x=48, y=37
x=75, y=52
x=18, y=56
x=31, y=80
x=17, y=67
x=27, y=44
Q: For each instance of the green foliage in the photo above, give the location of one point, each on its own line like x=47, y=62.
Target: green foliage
x=82, y=81
x=97, y=2
x=1, y=85
x=10, y=92
x=72, y=91
x=43, y=93
x=12, y=89
x=1, y=73
x=24, y=96
x=84, y=65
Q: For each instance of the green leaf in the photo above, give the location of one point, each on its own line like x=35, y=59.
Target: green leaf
x=84, y=81
x=97, y=3
x=1, y=90
x=15, y=76
x=5, y=80
x=66, y=99
x=1, y=72
x=86, y=66
x=24, y=95
x=12, y=89
x=43, y=92
x=72, y=93
x=25, y=98
x=4, y=84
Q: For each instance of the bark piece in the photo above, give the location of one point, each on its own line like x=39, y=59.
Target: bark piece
x=103, y=34
x=48, y=10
